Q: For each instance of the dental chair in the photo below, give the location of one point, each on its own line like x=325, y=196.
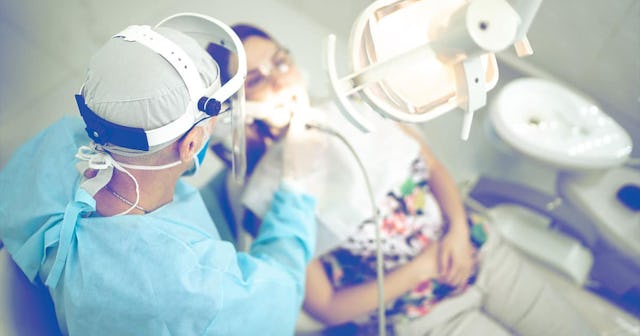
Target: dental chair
x=529, y=219
x=569, y=241
x=220, y=195
x=215, y=196
x=540, y=225
x=564, y=244
x=525, y=217
x=25, y=308
x=516, y=211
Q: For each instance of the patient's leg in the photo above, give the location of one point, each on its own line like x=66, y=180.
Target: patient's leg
x=517, y=296
x=471, y=322
x=456, y=316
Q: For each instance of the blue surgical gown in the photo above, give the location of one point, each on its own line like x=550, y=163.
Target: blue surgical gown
x=163, y=273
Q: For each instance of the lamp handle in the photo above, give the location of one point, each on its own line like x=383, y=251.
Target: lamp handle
x=340, y=89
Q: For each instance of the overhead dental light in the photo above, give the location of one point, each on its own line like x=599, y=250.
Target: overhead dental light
x=414, y=60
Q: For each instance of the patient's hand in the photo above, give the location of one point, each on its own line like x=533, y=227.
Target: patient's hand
x=456, y=258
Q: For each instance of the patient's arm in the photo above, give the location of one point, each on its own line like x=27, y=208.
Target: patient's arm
x=456, y=256
x=336, y=307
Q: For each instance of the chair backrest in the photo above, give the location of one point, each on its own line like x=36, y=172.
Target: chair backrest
x=29, y=308
x=215, y=196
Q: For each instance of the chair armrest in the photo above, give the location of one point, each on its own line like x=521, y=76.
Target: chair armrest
x=491, y=192
x=560, y=250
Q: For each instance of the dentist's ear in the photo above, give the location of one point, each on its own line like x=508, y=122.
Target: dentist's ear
x=191, y=143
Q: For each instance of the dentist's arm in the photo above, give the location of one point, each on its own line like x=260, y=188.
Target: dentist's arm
x=292, y=209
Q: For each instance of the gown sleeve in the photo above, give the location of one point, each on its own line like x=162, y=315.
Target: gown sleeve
x=271, y=275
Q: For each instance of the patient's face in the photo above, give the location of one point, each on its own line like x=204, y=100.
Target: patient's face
x=274, y=86
x=270, y=69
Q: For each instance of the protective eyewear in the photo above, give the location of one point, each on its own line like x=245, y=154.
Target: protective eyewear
x=281, y=62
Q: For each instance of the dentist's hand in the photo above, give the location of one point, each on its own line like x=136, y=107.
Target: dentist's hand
x=303, y=153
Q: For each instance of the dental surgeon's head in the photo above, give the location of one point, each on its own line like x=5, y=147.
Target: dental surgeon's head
x=139, y=105
x=131, y=85
x=274, y=88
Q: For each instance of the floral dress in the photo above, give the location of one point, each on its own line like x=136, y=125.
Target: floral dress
x=410, y=220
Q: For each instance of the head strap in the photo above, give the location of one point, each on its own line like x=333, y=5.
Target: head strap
x=105, y=132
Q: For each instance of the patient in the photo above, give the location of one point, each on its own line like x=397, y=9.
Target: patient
x=446, y=273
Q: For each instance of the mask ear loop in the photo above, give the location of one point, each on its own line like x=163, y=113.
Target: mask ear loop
x=99, y=159
x=135, y=182
x=121, y=167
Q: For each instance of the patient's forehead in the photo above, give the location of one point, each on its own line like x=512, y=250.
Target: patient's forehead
x=258, y=50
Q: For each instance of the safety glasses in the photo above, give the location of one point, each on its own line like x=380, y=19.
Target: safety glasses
x=258, y=78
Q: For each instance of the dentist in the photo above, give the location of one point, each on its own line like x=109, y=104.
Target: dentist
x=95, y=209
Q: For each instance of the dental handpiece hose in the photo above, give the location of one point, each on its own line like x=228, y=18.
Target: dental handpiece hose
x=379, y=257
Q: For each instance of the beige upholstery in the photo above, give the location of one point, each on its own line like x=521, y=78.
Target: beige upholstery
x=604, y=317
x=25, y=309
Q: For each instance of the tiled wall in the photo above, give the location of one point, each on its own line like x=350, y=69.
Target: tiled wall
x=594, y=46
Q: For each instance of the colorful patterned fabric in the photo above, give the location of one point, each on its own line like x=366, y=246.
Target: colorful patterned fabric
x=411, y=219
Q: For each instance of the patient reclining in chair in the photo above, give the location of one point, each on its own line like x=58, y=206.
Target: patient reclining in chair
x=445, y=271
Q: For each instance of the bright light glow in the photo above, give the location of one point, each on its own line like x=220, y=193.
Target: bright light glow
x=404, y=78
x=407, y=28
x=414, y=60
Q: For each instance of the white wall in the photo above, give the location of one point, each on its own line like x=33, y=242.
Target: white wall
x=47, y=45
x=593, y=45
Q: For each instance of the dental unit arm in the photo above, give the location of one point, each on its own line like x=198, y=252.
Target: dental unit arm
x=464, y=43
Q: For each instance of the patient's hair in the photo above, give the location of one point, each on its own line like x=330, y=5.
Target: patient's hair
x=221, y=54
x=258, y=133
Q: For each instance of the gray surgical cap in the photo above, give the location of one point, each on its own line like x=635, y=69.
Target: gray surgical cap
x=131, y=85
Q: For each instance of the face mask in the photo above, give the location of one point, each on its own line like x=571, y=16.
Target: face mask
x=207, y=128
x=197, y=160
